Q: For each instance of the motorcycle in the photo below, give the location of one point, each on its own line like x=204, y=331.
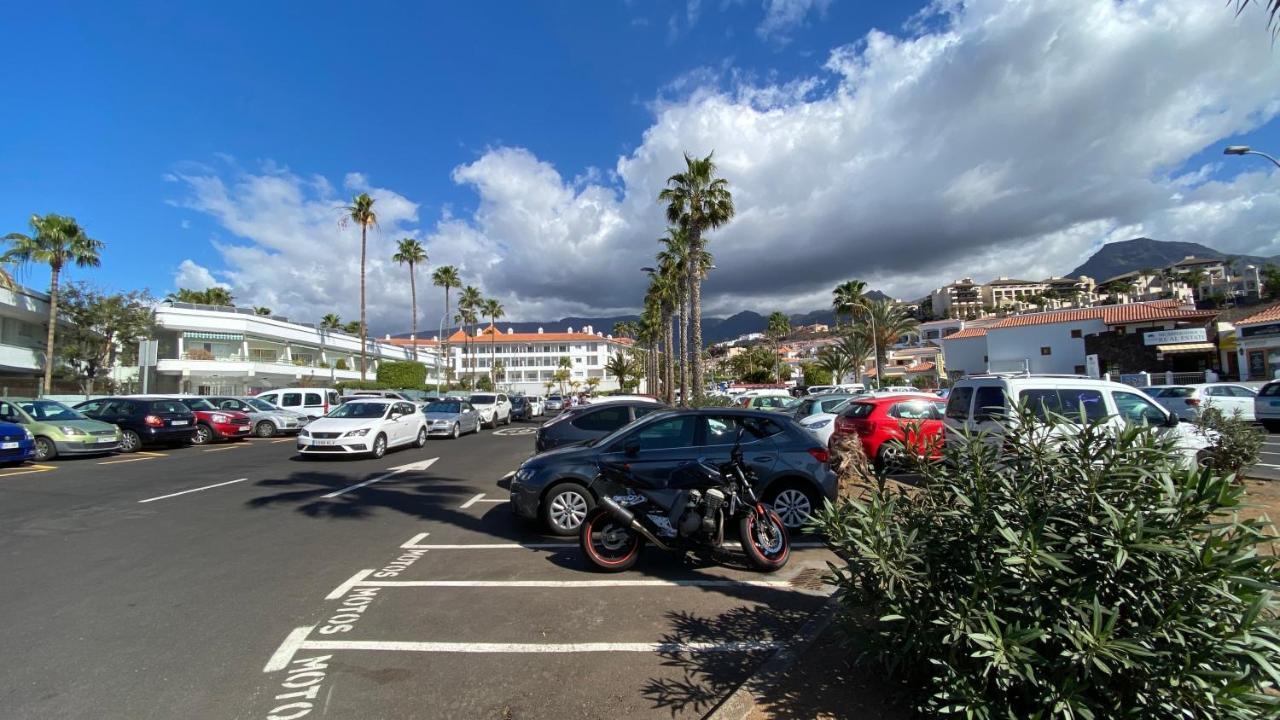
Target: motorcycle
x=691, y=510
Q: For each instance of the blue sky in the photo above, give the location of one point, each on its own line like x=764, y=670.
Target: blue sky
x=117, y=112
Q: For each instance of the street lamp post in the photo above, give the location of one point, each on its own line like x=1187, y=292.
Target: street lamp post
x=1246, y=150
x=875, y=342
x=440, y=347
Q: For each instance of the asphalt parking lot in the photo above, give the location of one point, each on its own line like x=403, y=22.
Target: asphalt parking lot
x=236, y=581
x=1268, y=465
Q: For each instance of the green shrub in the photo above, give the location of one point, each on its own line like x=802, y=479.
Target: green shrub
x=341, y=364
x=713, y=401
x=1235, y=442
x=402, y=374
x=1065, y=575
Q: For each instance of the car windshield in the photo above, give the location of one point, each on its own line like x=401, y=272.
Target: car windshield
x=483, y=399
x=198, y=404
x=444, y=407
x=1174, y=392
x=43, y=410
x=356, y=410
x=262, y=405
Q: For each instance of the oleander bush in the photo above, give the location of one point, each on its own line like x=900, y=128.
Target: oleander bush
x=1062, y=574
x=1236, y=442
x=402, y=374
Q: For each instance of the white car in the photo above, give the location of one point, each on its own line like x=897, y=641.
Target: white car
x=536, y=406
x=616, y=398
x=494, y=408
x=312, y=402
x=821, y=389
x=1186, y=401
x=1266, y=406
x=364, y=427
x=822, y=424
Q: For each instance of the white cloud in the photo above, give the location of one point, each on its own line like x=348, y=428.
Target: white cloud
x=193, y=276
x=784, y=17
x=998, y=138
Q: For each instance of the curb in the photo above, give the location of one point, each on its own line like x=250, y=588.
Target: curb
x=739, y=703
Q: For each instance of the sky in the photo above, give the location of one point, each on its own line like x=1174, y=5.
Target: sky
x=904, y=144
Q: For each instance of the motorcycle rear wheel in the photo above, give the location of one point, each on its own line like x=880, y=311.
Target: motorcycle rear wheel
x=607, y=544
x=767, y=547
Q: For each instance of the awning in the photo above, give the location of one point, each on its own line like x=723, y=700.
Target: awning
x=1187, y=348
x=231, y=337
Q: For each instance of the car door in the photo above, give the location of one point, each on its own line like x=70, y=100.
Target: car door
x=504, y=406
x=1245, y=398
x=720, y=432
x=410, y=421
x=656, y=449
x=1218, y=396
x=470, y=418
x=313, y=404
x=293, y=401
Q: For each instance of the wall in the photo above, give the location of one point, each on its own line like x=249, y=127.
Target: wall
x=1007, y=348
x=966, y=355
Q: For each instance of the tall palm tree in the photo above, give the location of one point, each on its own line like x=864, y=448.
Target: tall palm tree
x=647, y=335
x=621, y=367
x=698, y=202
x=331, y=321
x=677, y=258
x=834, y=361
x=846, y=296
x=464, y=318
x=470, y=304
x=55, y=240
x=410, y=252
x=446, y=276
x=778, y=328
x=624, y=329
x=361, y=213
x=890, y=322
x=494, y=310
x=664, y=295
x=855, y=348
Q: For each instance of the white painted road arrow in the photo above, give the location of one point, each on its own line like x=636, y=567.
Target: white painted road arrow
x=411, y=467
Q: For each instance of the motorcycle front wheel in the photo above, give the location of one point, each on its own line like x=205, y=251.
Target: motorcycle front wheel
x=764, y=540
x=608, y=544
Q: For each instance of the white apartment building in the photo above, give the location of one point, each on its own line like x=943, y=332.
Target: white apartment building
x=960, y=299
x=1006, y=292
x=206, y=349
x=24, y=317
x=530, y=360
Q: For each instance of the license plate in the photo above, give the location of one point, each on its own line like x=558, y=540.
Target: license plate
x=176, y=423
x=8, y=446
x=324, y=442
x=242, y=429
x=105, y=440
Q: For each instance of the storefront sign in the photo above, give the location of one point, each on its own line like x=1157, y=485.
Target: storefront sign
x=1257, y=331
x=1171, y=337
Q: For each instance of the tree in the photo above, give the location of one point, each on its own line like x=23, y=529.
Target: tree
x=102, y=329
x=262, y=311
x=410, y=252
x=470, y=305
x=697, y=202
x=621, y=367
x=833, y=361
x=815, y=374
x=1270, y=276
x=664, y=294
x=1196, y=279
x=216, y=295
x=494, y=310
x=361, y=213
x=465, y=317
x=846, y=297
x=778, y=328
x=331, y=322
x=890, y=322
x=1272, y=8
x=592, y=384
x=855, y=348
x=624, y=329
x=55, y=241
x=446, y=276
x=352, y=328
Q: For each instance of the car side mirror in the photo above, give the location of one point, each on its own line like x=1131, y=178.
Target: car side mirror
x=395, y=416
x=631, y=450
x=1171, y=420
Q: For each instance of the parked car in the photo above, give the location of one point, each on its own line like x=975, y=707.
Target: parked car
x=621, y=398
x=312, y=402
x=554, y=403
x=364, y=427
x=1186, y=401
x=791, y=467
x=521, y=408
x=590, y=422
x=451, y=417
x=818, y=405
x=536, y=406
x=58, y=430
x=266, y=419
x=820, y=389
x=891, y=426
x=213, y=424
x=985, y=402
x=494, y=408
x=143, y=421
x=1266, y=406
x=769, y=402
x=16, y=444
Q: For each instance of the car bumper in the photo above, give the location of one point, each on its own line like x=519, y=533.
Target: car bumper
x=525, y=500
x=347, y=446
x=225, y=431
x=80, y=447
x=168, y=434
x=442, y=430
x=25, y=450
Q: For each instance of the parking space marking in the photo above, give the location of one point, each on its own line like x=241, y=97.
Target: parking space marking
x=471, y=502
x=282, y=440
x=394, y=471
x=360, y=580
x=284, y=654
x=224, y=447
x=151, y=454
x=184, y=492
x=126, y=460
x=27, y=470
x=1266, y=465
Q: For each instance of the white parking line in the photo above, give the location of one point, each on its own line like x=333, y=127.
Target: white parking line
x=184, y=492
x=1266, y=465
x=414, y=544
x=283, y=654
x=471, y=502
x=394, y=471
x=359, y=580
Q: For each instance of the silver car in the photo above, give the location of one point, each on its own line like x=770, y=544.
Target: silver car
x=451, y=417
x=267, y=419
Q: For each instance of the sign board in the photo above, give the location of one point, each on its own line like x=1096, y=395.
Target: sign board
x=148, y=352
x=1091, y=366
x=1260, y=331
x=1171, y=337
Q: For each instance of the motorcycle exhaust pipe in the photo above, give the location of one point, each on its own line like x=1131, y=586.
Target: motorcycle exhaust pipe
x=628, y=518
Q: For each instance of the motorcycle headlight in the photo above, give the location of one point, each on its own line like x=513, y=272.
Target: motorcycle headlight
x=221, y=419
x=357, y=433
x=71, y=431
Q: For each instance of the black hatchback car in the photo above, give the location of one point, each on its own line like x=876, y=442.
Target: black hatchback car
x=587, y=422
x=144, y=421
x=791, y=466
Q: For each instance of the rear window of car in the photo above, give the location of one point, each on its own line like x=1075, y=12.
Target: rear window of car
x=958, y=403
x=988, y=402
x=1173, y=392
x=170, y=406
x=605, y=419
x=915, y=410
x=482, y=400
x=1066, y=403
x=1270, y=390
x=857, y=410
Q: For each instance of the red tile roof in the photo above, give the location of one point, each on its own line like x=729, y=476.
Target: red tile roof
x=488, y=333
x=1111, y=314
x=1265, y=315
x=967, y=333
x=920, y=367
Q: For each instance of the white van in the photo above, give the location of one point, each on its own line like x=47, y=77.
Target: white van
x=984, y=402
x=312, y=402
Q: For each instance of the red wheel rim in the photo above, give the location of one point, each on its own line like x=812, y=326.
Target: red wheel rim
x=602, y=545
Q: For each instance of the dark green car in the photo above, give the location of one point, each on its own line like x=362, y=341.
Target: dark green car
x=59, y=430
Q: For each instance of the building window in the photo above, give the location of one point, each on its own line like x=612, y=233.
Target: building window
x=1046, y=350
x=1080, y=370
x=1077, y=333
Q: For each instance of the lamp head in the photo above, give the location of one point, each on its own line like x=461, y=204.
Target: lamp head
x=1235, y=150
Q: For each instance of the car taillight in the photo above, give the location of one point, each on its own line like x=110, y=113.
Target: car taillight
x=153, y=421
x=844, y=425
x=866, y=427
x=820, y=454
x=1193, y=402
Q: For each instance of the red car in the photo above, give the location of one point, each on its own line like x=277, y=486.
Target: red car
x=882, y=423
x=213, y=423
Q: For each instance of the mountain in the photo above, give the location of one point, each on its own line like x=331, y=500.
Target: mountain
x=1118, y=258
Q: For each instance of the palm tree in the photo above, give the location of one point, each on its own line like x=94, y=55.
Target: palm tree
x=361, y=213
x=621, y=367
x=778, y=328
x=676, y=258
x=698, y=202
x=890, y=322
x=835, y=362
x=847, y=296
x=470, y=304
x=330, y=321
x=446, y=276
x=262, y=311
x=351, y=328
x=55, y=241
x=664, y=294
x=494, y=310
x=465, y=318
x=624, y=329
x=647, y=336
x=855, y=348
x=410, y=252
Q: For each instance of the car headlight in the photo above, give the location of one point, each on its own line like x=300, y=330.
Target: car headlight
x=441, y=422
x=523, y=474
x=357, y=433
x=304, y=433
x=70, y=431
x=27, y=434
x=818, y=424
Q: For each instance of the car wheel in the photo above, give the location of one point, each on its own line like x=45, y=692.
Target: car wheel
x=456, y=432
x=794, y=504
x=265, y=429
x=129, y=441
x=508, y=422
x=45, y=449
x=891, y=457
x=379, y=446
x=204, y=435
x=422, y=438
x=565, y=507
